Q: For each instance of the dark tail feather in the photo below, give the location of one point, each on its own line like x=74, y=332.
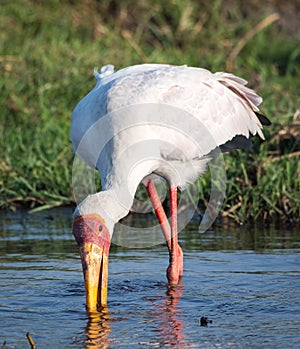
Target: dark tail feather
x=237, y=142
x=263, y=119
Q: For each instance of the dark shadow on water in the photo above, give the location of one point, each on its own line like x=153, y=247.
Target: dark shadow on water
x=49, y=232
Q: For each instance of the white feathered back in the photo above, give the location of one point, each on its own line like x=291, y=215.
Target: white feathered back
x=220, y=104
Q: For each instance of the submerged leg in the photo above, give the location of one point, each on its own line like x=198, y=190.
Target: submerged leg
x=175, y=268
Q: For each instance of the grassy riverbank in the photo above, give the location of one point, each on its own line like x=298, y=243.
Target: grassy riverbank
x=49, y=50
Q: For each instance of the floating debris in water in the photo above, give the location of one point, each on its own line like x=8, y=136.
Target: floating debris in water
x=204, y=321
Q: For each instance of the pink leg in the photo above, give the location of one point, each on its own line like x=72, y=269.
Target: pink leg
x=175, y=268
x=160, y=212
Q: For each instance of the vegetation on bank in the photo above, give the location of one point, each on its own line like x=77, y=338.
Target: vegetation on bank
x=49, y=50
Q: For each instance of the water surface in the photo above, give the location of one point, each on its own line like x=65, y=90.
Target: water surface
x=245, y=280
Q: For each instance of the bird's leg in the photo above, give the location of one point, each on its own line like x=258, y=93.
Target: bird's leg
x=160, y=212
x=175, y=269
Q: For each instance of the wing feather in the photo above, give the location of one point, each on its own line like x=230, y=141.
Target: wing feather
x=221, y=102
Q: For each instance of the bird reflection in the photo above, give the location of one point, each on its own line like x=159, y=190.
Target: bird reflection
x=171, y=330
x=164, y=314
x=97, y=330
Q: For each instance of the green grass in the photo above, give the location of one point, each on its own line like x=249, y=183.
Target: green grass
x=49, y=50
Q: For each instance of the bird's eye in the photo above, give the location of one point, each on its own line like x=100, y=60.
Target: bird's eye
x=100, y=228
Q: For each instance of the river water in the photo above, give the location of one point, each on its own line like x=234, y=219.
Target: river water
x=244, y=280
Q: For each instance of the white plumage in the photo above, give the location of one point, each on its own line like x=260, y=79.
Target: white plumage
x=147, y=122
x=155, y=119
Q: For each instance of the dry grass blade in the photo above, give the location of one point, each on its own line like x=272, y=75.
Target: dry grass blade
x=287, y=156
x=30, y=340
x=9, y=58
x=232, y=209
x=128, y=37
x=238, y=48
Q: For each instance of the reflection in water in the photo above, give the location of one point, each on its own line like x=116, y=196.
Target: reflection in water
x=98, y=329
x=172, y=327
x=167, y=317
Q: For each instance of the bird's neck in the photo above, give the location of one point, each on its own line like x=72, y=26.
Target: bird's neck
x=105, y=204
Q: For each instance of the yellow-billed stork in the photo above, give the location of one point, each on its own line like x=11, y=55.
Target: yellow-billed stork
x=144, y=122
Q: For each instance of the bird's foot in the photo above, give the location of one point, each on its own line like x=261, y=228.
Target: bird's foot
x=175, y=268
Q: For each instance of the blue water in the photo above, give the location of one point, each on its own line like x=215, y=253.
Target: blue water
x=246, y=281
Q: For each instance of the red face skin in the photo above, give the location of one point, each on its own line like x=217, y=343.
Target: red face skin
x=93, y=239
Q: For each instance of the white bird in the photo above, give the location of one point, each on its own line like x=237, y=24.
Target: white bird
x=148, y=121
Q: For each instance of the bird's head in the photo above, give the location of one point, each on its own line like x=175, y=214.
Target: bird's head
x=94, y=221
x=93, y=238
